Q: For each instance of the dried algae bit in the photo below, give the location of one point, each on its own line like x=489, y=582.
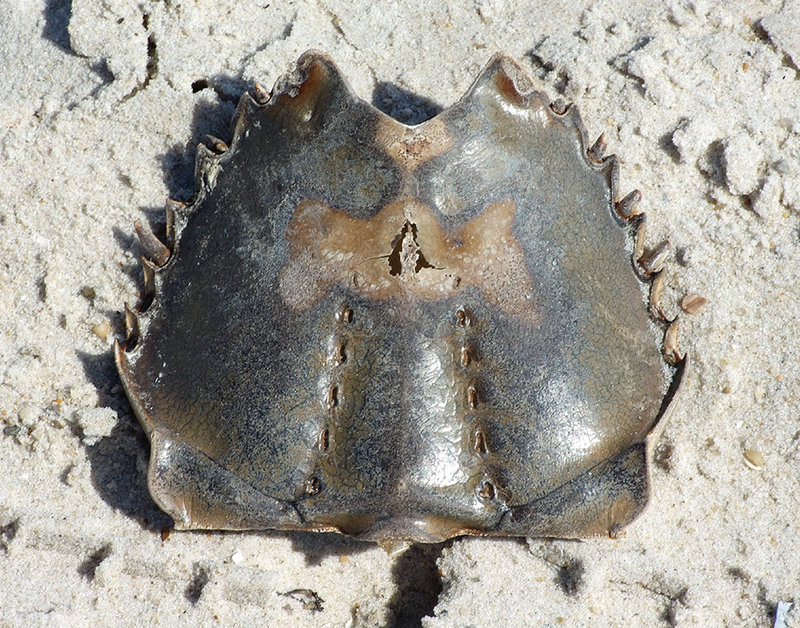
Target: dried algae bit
x=402, y=332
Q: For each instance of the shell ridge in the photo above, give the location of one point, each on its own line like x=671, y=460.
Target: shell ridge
x=166, y=433
x=163, y=465
x=620, y=476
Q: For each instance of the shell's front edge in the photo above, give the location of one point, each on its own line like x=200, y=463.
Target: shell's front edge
x=197, y=492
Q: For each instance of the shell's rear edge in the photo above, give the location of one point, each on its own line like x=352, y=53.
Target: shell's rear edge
x=199, y=492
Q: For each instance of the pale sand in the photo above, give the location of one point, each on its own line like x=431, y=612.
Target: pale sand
x=99, y=121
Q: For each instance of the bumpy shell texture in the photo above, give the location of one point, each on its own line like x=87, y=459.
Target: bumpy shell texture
x=399, y=332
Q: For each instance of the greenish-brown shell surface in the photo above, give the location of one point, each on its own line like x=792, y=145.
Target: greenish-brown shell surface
x=400, y=332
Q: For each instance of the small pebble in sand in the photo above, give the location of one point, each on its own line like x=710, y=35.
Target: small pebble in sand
x=101, y=330
x=693, y=303
x=754, y=459
x=28, y=415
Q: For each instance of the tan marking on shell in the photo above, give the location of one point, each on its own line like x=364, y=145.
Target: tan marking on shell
x=412, y=147
x=403, y=252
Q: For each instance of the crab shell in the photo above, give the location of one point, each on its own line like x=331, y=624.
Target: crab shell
x=400, y=332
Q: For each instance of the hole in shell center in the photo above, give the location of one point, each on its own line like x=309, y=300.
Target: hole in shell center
x=406, y=257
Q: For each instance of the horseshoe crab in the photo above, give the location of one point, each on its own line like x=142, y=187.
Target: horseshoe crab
x=401, y=332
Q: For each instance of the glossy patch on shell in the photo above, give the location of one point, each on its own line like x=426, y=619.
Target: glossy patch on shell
x=401, y=332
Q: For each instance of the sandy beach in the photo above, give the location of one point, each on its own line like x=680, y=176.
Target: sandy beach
x=102, y=105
